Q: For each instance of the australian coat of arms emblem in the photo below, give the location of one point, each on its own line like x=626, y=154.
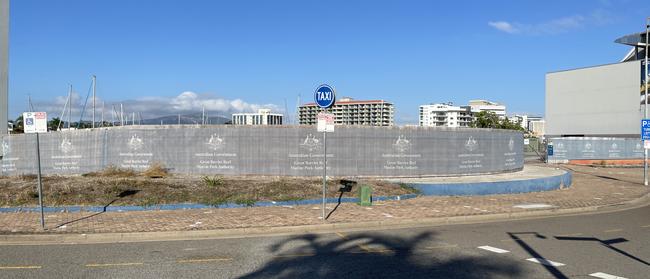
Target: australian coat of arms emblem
x=471, y=144
x=311, y=143
x=135, y=143
x=402, y=144
x=6, y=148
x=215, y=142
x=66, y=145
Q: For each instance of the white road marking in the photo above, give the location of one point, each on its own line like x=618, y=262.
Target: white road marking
x=605, y=276
x=533, y=206
x=544, y=262
x=493, y=249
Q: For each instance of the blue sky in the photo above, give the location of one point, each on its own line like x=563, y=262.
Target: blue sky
x=168, y=57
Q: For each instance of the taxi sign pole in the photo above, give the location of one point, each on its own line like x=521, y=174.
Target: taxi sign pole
x=324, y=171
x=324, y=97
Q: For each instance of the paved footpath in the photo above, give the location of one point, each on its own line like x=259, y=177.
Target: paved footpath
x=592, y=188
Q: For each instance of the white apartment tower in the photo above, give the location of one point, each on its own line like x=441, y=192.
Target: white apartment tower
x=445, y=115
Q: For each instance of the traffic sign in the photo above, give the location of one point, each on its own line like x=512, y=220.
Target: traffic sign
x=324, y=96
x=325, y=122
x=645, y=129
x=35, y=122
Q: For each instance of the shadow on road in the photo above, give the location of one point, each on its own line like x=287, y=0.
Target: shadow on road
x=376, y=256
x=121, y=195
x=550, y=268
x=607, y=243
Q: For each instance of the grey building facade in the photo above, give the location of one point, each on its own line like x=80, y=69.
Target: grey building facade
x=600, y=101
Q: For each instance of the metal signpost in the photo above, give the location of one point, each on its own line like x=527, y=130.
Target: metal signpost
x=645, y=137
x=645, y=110
x=325, y=97
x=34, y=123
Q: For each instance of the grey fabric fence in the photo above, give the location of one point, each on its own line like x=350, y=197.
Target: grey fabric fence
x=595, y=148
x=270, y=150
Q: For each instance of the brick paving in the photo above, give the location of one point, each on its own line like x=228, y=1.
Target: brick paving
x=591, y=187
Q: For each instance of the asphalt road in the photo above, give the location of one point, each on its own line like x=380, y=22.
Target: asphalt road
x=603, y=244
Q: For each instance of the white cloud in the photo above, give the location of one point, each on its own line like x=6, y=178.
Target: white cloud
x=150, y=107
x=503, y=26
x=555, y=26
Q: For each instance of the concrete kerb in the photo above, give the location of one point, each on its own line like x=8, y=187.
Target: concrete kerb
x=58, y=239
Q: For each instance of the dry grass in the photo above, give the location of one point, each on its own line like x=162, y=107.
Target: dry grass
x=123, y=187
x=156, y=170
x=112, y=171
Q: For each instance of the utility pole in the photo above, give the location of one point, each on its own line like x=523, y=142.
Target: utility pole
x=203, y=115
x=94, y=88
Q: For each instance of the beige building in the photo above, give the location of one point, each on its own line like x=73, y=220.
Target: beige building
x=484, y=105
x=352, y=112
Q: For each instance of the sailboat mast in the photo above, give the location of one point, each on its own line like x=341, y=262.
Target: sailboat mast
x=69, y=107
x=94, y=87
x=102, y=114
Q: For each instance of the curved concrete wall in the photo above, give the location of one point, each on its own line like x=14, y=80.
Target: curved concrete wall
x=279, y=150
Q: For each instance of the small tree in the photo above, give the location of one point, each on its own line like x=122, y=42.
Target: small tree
x=489, y=119
x=485, y=119
x=19, y=127
x=53, y=124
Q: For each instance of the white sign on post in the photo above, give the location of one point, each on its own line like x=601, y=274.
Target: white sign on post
x=526, y=141
x=646, y=144
x=325, y=122
x=35, y=122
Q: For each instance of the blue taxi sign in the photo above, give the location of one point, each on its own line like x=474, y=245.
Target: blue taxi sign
x=324, y=96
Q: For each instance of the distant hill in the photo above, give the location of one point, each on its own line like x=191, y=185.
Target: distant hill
x=185, y=119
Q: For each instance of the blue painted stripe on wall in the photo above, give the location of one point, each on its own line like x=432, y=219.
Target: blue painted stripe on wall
x=193, y=205
x=494, y=188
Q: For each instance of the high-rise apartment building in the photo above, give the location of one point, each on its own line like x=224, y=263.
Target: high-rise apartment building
x=352, y=112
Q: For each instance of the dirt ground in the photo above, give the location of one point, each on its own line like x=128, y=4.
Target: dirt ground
x=125, y=187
